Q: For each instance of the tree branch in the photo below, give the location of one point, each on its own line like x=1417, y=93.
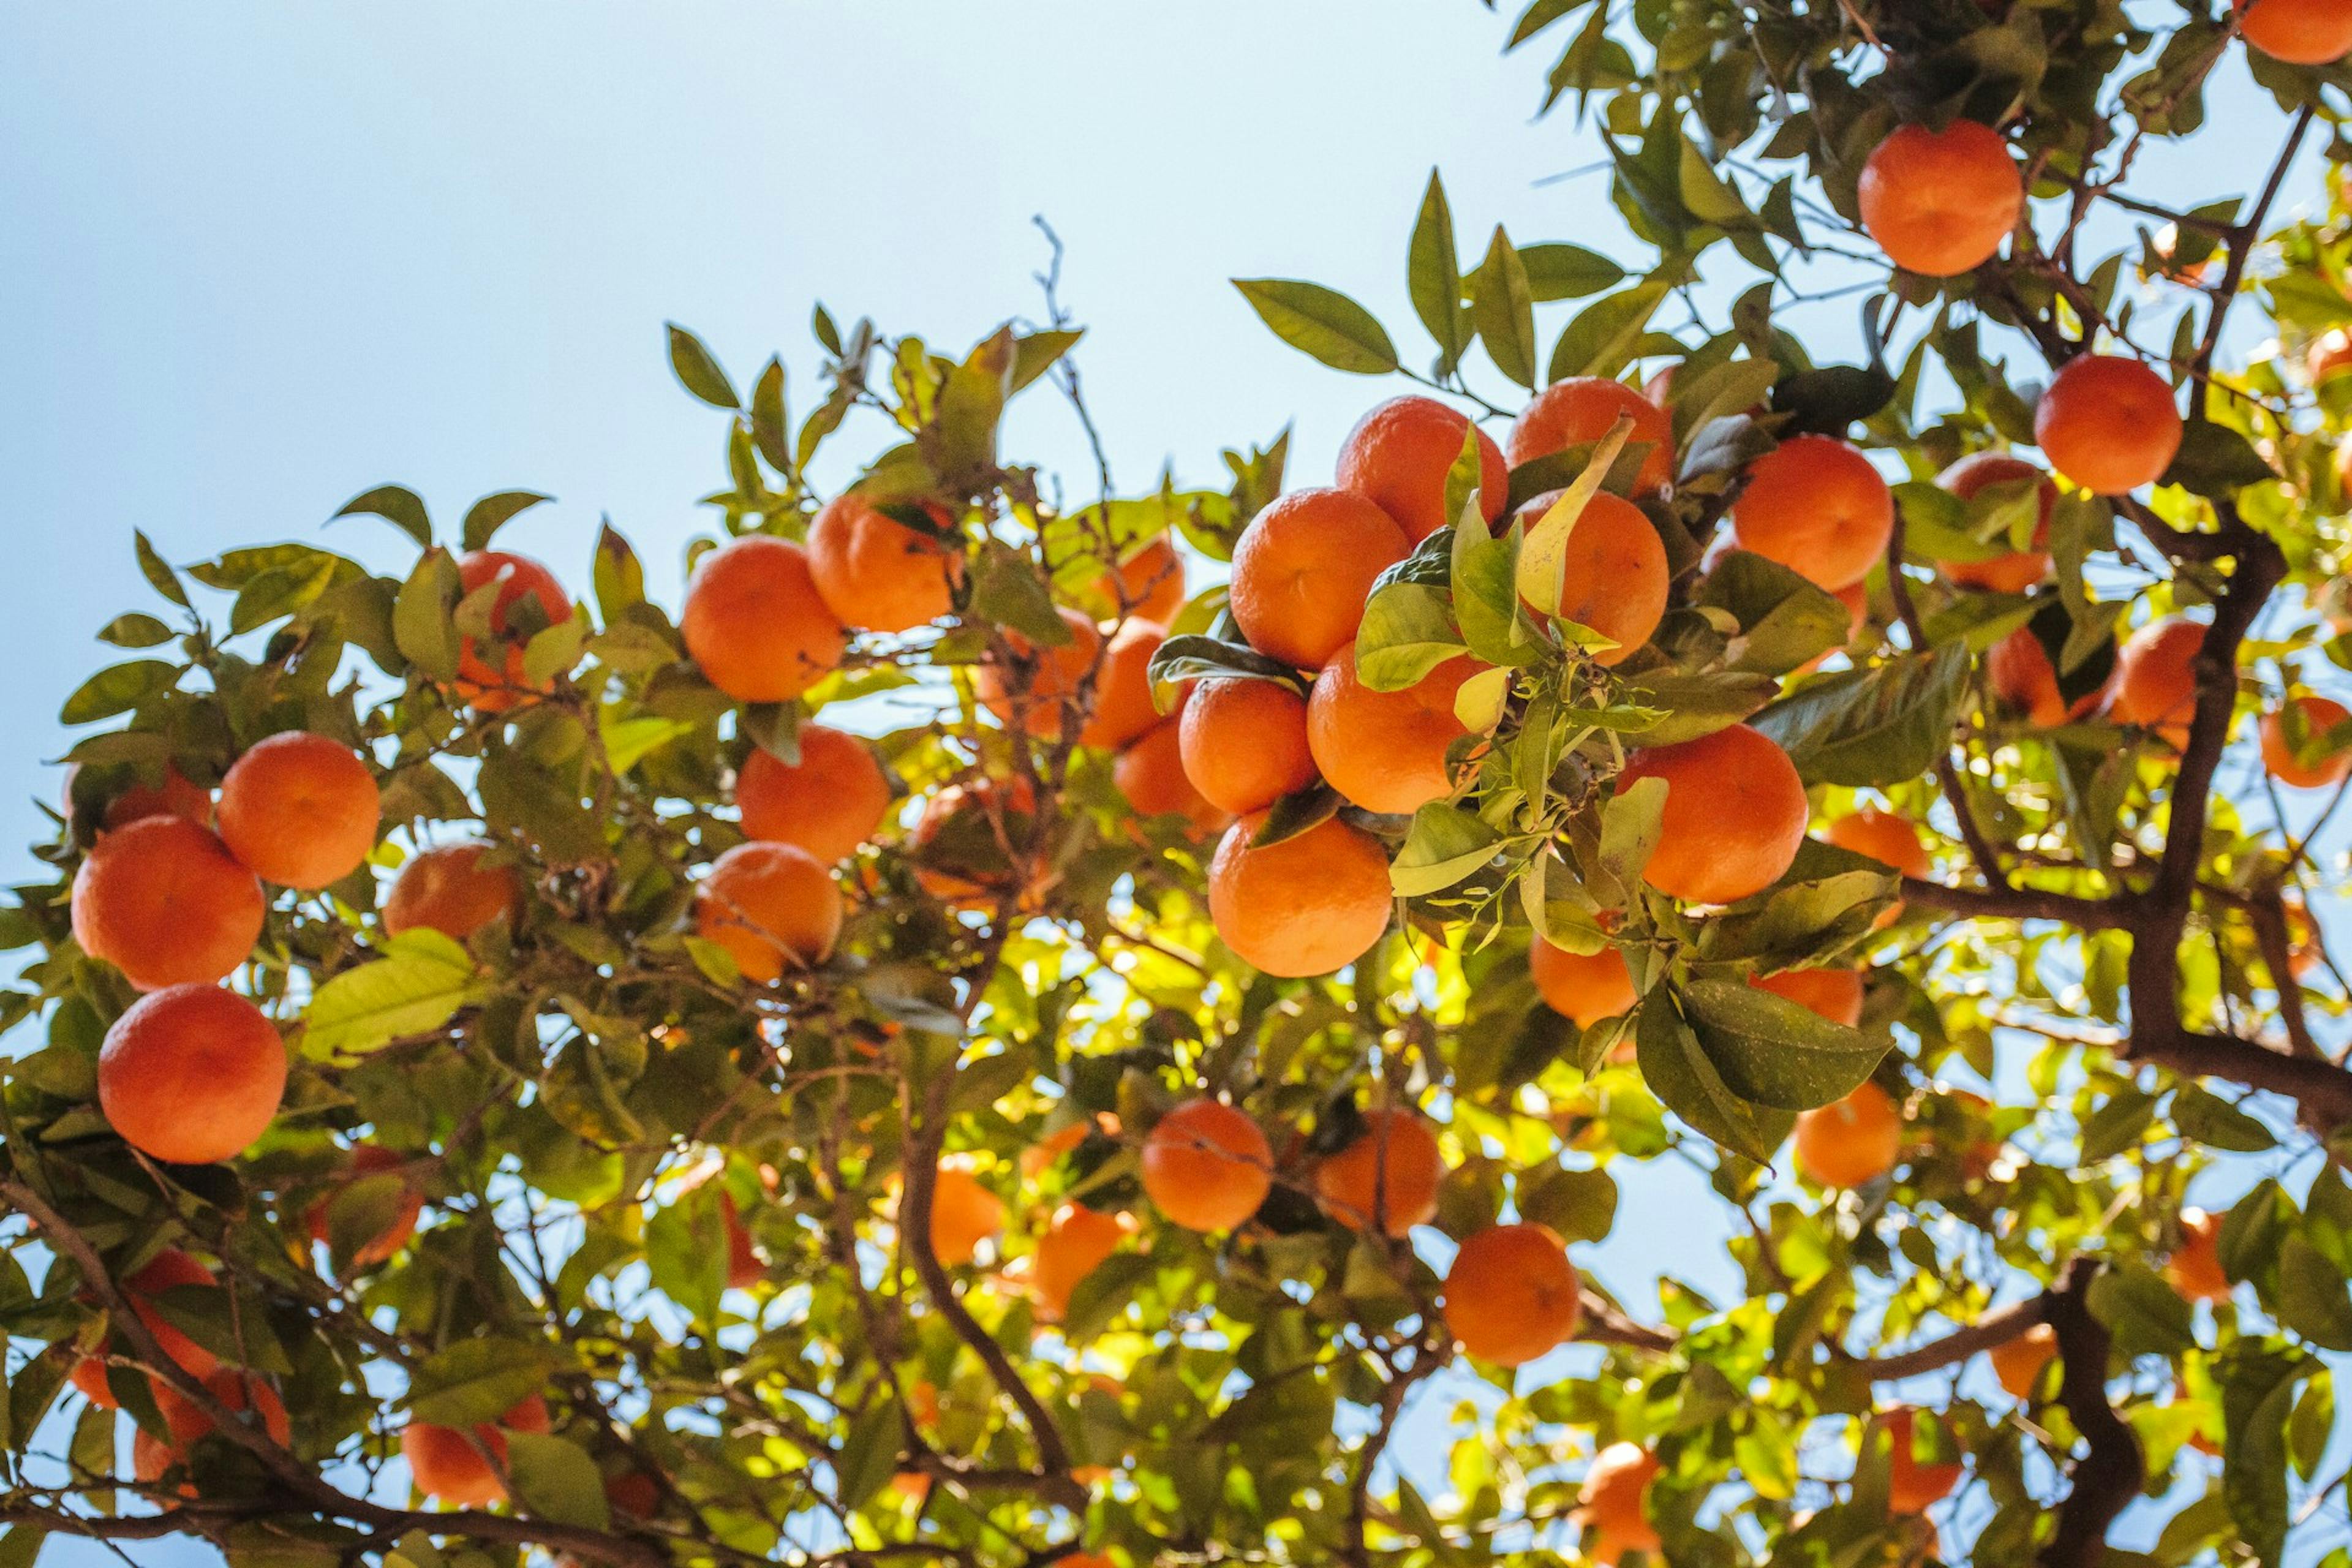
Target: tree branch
x=2108, y=1476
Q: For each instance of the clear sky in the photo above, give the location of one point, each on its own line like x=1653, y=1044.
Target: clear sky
x=256, y=259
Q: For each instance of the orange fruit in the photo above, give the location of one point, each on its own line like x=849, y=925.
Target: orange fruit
x=1610, y=1502
x=88, y=1375
x=1581, y=409
x=1511, y=1295
x=1815, y=505
x=2021, y=679
x=964, y=1213
x=1835, y=994
x=1303, y=568
x=176, y=796
x=169, y=1269
x=1391, y=1172
x=1914, y=1485
x=634, y=1493
x=2300, y=31
x=300, y=810
x=744, y=1268
x=1853, y=1142
x=962, y=840
x=1399, y=455
x=1886, y=837
x=369, y=1159
x=237, y=1389
x=1244, y=742
x=2154, y=683
x=828, y=803
x=1027, y=689
x=1076, y=1242
x=1733, y=818
x=769, y=904
x=467, y=1470
x=1123, y=708
x=1312, y=904
x=2194, y=1269
x=755, y=622
x=192, y=1074
x=1585, y=987
x=2018, y=1364
x=1939, y=203
x=448, y=890
x=1206, y=1166
x=874, y=572
x=1613, y=575
x=1041, y=1155
x=2110, y=424
x=2320, y=714
x=1385, y=750
x=164, y=902
x=1150, y=774
x=493, y=687
x=1149, y=582
x=2018, y=569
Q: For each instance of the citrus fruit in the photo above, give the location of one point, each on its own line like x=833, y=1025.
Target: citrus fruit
x=963, y=841
x=191, y=1074
x=1582, y=408
x=1206, y=1166
x=1303, y=568
x=2110, y=424
x=1611, y=1501
x=1914, y=1485
x=964, y=1213
x=1385, y=750
x=768, y=905
x=492, y=680
x=828, y=803
x=1817, y=506
x=1853, y=1142
x=755, y=624
x=2300, y=31
x=2194, y=1269
x=1835, y=994
x=1076, y=1242
x=1244, y=742
x=467, y=1470
x=2015, y=570
x=2154, y=683
x=1391, y=1172
x=1123, y=708
x=2018, y=1364
x=1027, y=686
x=1885, y=837
x=1511, y=1295
x=164, y=902
x=2320, y=715
x=1585, y=987
x=1311, y=904
x=1614, y=572
x=1733, y=818
x=371, y=1160
x=1399, y=455
x=1150, y=584
x=300, y=810
x=874, y=572
x=448, y=888
x=1939, y=203
x=1150, y=774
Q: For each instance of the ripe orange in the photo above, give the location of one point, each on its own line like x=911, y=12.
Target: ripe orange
x=447, y=1464
x=494, y=686
x=2320, y=714
x=634, y=1493
x=1815, y=505
x=1150, y=774
x=2194, y=1269
x=1149, y=582
x=1244, y=742
x=1586, y=987
x=1027, y=690
x=1734, y=819
x=2154, y=683
x=1581, y=408
x=448, y=890
x=2110, y=424
x=1614, y=575
x=964, y=1213
x=1385, y=750
x=170, y=1270
x=176, y=796
x=1303, y=568
x=369, y=1159
x=192, y=1074
x=828, y=803
x=1886, y=837
x=1835, y=994
x=1512, y=1295
x=1391, y=1172
x=1312, y=904
x=1914, y=1485
x=300, y=810
x=1940, y=203
x=1206, y=1166
x=1852, y=1142
x=2018, y=1364
x=237, y=1389
x=744, y=1268
x=1123, y=708
x=2300, y=31
x=2021, y=679
x=964, y=836
x=1610, y=1502
x=1399, y=455
x=755, y=622
x=768, y=904
x=874, y=572
x=164, y=902
x=2019, y=570
x=1077, y=1240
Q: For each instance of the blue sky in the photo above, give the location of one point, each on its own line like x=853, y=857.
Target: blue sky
x=260, y=258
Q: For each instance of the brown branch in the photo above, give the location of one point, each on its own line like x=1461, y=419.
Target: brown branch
x=1995, y=1328
x=2108, y=1475
x=2022, y=904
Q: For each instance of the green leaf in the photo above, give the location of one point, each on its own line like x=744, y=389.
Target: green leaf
x=476, y=1381
x=960, y=443
x=1685, y=1081
x=1696, y=705
x=1543, y=556
x=698, y=372
x=1777, y=1052
x=1503, y=308
x=424, y=624
x=1322, y=322
x=619, y=576
x=1295, y=813
x=1784, y=618
x=2312, y=1299
x=2216, y=1124
x=556, y=1480
x=520, y=797
x=870, y=1454
x=397, y=505
x=158, y=571
x=1486, y=594
x=1407, y=631
x=1445, y=845
x=1631, y=821
x=1600, y=340
x=1007, y=592
x=2258, y=1386
x=20, y=1546
x=771, y=430
x=1566, y=272
x=1037, y=352
x=1195, y=657
x=2145, y=1316
x=1538, y=16
x=1873, y=727
x=2216, y=462
x=1580, y=1206
x=118, y=689
x=1434, y=278
x=135, y=630
x=492, y=513
x=2117, y=1125
x=415, y=990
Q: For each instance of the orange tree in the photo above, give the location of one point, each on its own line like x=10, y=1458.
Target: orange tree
x=1068, y=1106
